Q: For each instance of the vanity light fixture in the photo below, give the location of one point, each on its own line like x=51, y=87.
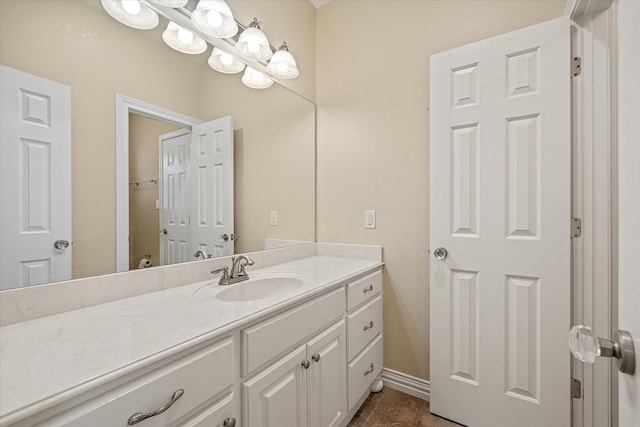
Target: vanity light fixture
x=214, y=17
x=132, y=13
x=183, y=40
x=223, y=62
x=253, y=44
x=283, y=64
x=171, y=3
x=255, y=79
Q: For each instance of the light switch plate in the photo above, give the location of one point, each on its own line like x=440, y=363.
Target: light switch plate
x=369, y=219
x=274, y=217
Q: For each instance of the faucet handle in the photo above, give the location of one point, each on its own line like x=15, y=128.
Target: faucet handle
x=224, y=270
x=248, y=261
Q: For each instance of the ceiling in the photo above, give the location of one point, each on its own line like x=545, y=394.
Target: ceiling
x=319, y=3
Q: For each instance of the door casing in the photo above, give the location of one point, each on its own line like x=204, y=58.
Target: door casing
x=124, y=106
x=594, y=298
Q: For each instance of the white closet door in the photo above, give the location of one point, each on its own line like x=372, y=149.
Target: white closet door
x=500, y=205
x=35, y=180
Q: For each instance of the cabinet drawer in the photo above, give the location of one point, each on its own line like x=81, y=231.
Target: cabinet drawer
x=201, y=375
x=215, y=415
x=266, y=340
x=363, y=325
x=363, y=289
x=364, y=369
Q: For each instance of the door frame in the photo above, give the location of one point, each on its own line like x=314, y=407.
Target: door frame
x=124, y=106
x=594, y=171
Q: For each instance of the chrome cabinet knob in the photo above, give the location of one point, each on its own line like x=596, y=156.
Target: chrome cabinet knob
x=224, y=237
x=61, y=244
x=370, y=370
x=586, y=347
x=316, y=357
x=229, y=422
x=164, y=231
x=440, y=253
x=368, y=326
x=305, y=364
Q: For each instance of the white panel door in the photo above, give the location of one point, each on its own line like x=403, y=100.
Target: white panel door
x=277, y=396
x=328, y=377
x=35, y=180
x=212, y=178
x=629, y=203
x=500, y=205
x=175, y=198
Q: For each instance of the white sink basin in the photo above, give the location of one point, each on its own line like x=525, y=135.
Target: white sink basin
x=259, y=288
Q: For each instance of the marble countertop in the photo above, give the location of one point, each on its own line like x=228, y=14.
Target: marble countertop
x=48, y=360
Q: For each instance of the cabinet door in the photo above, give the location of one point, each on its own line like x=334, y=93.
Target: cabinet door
x=277, y=396
x=327, y=377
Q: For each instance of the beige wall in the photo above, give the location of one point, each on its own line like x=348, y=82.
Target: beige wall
x=373, y=137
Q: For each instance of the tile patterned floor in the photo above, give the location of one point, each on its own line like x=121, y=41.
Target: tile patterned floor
x=394, y=408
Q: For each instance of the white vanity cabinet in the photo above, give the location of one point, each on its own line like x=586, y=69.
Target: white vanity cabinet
x=307, y=386
x=188, y=390
x=308, y=359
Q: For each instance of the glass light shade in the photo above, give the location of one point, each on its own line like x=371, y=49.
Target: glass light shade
x=255, y=79
x=171, y=3
x=253, y=43
x=131, y=13
x=283, y=64
x=214, y=17
x=183, y=40
x=223, y=62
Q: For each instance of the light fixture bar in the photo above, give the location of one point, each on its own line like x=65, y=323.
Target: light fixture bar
x=182, y=17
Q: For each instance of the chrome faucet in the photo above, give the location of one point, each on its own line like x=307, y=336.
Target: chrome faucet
x=237, y=273
x=201, y=253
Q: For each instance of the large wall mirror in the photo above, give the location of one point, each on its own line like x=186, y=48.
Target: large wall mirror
x=77, y=44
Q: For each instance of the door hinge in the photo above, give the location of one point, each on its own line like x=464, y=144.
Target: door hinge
x=576, y=389
x=576, y=227
x=576, y=66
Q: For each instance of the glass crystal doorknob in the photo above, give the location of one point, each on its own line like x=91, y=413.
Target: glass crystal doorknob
x=583, y=344
x=586, y=347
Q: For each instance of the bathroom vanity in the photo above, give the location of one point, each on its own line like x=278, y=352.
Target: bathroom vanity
x=298, y=344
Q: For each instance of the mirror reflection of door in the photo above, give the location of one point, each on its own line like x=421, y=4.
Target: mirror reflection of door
x=181, y=191
x=35, y=180
x=175, y=198
x=212, y=220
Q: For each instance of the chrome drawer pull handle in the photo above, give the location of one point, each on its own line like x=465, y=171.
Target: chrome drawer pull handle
x=316, y=357
x=369, y=289
x=229, y=422
x=369, y=326
x=368, y=371
x=141, y=416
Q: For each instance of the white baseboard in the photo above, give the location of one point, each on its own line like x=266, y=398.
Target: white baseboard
x=406, y=383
